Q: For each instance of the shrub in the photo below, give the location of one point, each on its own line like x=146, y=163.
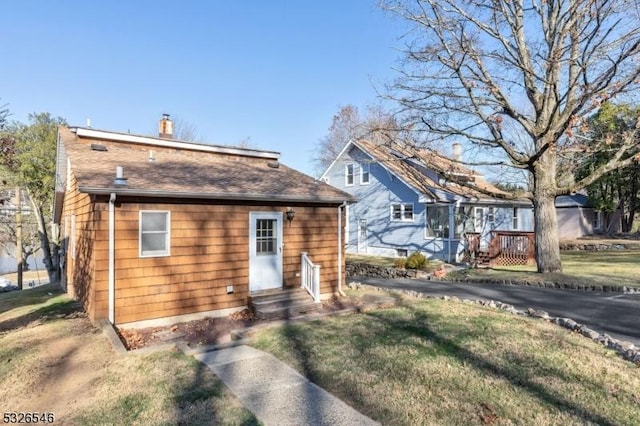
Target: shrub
x=416, y=261
x=400, y=263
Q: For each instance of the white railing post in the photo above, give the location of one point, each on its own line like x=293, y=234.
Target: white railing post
x=316, y=283
x=310, y=277
x=303, y=269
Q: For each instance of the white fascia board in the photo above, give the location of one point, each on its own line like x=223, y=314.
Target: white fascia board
x=350, y=143
x=168, y=143
x=407, y=184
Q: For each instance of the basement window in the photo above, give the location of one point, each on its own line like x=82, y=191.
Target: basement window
x=155, y=226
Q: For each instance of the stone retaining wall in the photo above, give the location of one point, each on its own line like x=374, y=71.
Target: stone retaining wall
x=375, y=271
x=587, y=246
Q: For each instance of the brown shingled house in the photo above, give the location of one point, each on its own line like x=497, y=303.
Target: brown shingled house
x=155, y=228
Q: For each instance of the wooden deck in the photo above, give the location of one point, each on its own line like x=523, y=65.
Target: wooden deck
x=505, y=248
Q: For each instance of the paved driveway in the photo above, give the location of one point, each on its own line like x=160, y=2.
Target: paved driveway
x=613, y=313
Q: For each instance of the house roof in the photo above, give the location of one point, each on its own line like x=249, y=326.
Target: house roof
x=184, y=170
x=573, y=200
x=411, y=165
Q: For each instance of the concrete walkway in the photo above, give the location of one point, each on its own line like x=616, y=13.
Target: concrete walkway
x=275, y=393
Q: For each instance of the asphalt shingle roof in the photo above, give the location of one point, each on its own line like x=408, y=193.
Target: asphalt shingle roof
x=408, y=164
x=184, y=173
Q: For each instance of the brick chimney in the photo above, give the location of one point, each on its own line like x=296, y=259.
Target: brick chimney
x=165, y=128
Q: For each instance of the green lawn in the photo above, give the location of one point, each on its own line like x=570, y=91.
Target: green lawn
x=611, y=267
x=54, y=360
x=438, y=362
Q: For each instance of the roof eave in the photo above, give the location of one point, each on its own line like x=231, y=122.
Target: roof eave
x=214, y=196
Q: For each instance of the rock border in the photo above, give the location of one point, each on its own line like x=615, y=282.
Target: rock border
x=627, y=350
x=545, y=284
x=361, y=269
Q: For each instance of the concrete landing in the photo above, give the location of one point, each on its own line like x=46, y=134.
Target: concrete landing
x=275, y=393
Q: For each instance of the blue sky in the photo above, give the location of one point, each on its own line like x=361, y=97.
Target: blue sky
x=271, y=71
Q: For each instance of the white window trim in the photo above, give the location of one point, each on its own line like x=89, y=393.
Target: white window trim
x=597, y=220
x=156, y=253
x=426, y=222
x=488, y=218
x=362, y=167
x=491, y=216
x=478, y=226
x=402, y=216
x=515, y=220
x=346, y=174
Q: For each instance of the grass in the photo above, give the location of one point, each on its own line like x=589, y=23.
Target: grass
x=438, y=362
x=387, y=262
x=373, y=260
x=611, y=267
x=54, y=360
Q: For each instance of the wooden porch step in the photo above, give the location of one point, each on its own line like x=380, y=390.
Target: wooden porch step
x=282, y=303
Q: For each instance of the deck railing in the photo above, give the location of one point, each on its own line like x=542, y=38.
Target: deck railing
x=506, y=248
x=310, y=277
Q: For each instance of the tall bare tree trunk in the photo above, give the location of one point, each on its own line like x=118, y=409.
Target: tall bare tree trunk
x=45, y=244
x=544, y=211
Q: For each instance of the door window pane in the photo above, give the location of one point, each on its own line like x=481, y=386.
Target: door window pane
x=266, y=239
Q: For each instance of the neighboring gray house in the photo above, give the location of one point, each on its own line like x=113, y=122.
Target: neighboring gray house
x=577, y=218
x=408, y=200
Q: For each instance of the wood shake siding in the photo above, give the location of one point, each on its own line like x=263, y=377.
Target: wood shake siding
x=209, y=192
x=82, y=279
x=209, y=250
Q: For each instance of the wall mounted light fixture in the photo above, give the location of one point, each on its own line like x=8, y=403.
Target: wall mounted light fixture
x=290, y=214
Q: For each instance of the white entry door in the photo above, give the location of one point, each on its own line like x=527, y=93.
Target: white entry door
x=265, y=250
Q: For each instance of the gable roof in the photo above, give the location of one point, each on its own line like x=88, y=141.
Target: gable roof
x=185, y=170
x=411, y=165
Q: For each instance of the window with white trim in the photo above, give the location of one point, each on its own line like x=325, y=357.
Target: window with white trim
x=155, y=230
x=402, y=212
x=597, y=220
x=437, y=221
x=484, y=217
x=514, y=223
x=364, y=173
x=348, y=174
x=491, y=216
x=463, y=221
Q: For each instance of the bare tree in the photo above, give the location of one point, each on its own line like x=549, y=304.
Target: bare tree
x=4, y=113
x=378, y=125
x=543, y=66
x=183, y=130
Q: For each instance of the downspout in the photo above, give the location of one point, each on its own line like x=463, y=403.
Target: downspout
x=340, y=208
x=112, y=240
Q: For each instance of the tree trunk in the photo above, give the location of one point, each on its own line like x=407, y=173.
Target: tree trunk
x=547, y=242
x=45, y=244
